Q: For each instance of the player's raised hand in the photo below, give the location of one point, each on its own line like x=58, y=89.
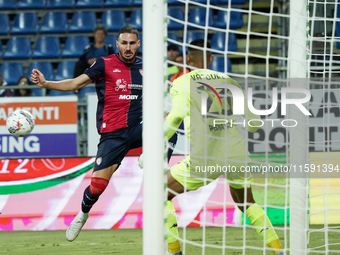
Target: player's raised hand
x=38, y=78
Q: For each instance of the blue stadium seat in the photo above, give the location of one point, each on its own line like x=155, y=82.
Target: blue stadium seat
x=0, y=48
x=25, y=23
x=46, y=68
x=47, y=47
x=54, y=22
x=337, y=34
x=56, y=4
x=65, y=70
x=56, y=93
x=114, y=20
x=8, y=4
x=118, y=3
x=111, y=39
x=198, y=16
x=18, y=48
x=218, y=64
x=218, y=41
x=175, y=2
x=83, y=21
x=236, y=19
x=136, y=19
x=75, y=45
x=89, y=3
x=172, y=36
x=177, y=14
x=4, y=24
x=83, y=91
x=32, y=4
x=11, y=72
x=141, y=43
x=137, y=2
x=190, y=37
x=205, y=1
x=232, y=1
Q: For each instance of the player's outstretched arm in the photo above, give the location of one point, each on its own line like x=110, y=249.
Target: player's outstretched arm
x=64, y=85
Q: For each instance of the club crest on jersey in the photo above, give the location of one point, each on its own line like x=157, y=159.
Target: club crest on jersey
x=121, y=84
x=141, y=71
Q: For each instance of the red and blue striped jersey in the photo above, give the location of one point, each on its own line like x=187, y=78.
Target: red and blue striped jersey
x=119, y=90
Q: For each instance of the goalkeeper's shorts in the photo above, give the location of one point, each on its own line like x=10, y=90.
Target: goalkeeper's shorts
x=181, y=173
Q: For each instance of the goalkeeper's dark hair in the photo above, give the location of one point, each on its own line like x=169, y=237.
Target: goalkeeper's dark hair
x=195, y=54
x=129, y=30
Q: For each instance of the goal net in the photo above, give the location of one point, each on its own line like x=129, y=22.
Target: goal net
x=282, y=49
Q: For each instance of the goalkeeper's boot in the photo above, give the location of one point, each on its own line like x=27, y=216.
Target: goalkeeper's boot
x=178, y=253
x=280, y=253
x=74, y=229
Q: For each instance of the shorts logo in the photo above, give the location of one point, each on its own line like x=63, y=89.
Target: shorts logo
x=141, y=71
x=116, y=70
x=121, y=84
x=99, y=161
x=104, y=125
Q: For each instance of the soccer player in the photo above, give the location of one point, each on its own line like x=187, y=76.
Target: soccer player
x=119, y=114
x=186, y=106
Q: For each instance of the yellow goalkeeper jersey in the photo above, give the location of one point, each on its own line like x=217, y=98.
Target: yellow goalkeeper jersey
x=213, y=134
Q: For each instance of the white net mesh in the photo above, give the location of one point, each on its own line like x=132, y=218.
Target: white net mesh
x=250, y=41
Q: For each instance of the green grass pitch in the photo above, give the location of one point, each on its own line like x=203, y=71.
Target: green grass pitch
x=129, y=242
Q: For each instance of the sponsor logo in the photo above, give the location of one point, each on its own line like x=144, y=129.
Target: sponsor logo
x=116, y=70
x=132, y=97
x=121, y=84
x=104, y=125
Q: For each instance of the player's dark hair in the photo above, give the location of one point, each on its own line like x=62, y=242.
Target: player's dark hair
x=196, y=55
x=129, y=30
x=102, y=28
x=173, y=47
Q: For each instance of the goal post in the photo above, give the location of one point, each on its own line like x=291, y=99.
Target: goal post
x=153, y=113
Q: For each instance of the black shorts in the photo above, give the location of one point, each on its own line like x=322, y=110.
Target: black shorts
x=113, y=146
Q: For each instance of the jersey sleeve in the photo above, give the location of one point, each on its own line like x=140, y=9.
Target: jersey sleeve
x=178, y=107
x=96, y=70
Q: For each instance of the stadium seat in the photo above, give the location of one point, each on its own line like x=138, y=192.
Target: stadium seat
x=47, y=47
x=337, y=34
x=83, y=91
x=236, y=19
x=32, y=4
x=175, y=2
x=232, y=1
x=198, y=16
x=54, y=22
x=8, y=4
x=18, y=48
x=137, y=2
x=172, y=36
x=111, y=39
x=46, y=68
x=89, y=3
x=118, y=3
x=4, y=24
x=56, y=93
x=205, y=1
x=65, y=70
x=190, y=37
x=56, y=4
x=114, y=20
x=25, y=23
x=177, y=14
x=136, y=19
x=218, y=64
x=11, y=72
x=0, y=48
x=75, y=45
x=218, y=41
x=83, y=21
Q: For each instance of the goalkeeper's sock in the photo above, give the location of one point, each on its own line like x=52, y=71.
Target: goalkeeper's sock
x=258, y=219
x=173, y=243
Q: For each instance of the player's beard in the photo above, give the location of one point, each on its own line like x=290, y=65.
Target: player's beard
x=127, y=59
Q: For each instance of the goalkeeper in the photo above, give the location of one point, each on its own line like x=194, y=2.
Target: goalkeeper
x=208, y=143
